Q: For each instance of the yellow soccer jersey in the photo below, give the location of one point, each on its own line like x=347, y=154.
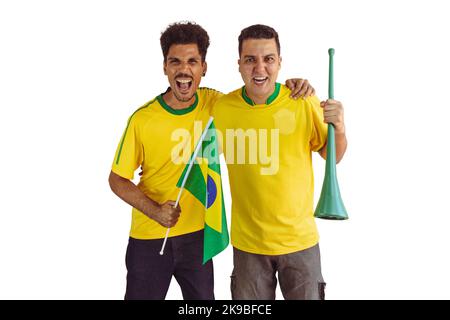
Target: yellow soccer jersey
x=268, y=148
x=155, y=139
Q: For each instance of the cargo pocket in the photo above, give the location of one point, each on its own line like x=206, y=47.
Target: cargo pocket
x=322, y=286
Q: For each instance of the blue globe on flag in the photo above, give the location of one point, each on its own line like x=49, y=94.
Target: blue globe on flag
x=212, y=191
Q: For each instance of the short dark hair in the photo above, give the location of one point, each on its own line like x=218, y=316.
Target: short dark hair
x=185, y=33
x=258, y=31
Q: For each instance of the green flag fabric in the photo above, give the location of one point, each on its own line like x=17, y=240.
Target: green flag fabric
x=204, y=183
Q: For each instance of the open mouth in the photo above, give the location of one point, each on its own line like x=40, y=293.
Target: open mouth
x=260, y=80
x=184, y=84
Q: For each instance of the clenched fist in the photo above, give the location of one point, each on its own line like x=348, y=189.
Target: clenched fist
x=333, y=112
x=167, y=215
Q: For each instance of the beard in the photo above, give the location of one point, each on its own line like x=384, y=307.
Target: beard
x=181, y=99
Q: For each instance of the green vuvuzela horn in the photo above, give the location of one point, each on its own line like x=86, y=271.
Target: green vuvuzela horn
x=330, y=205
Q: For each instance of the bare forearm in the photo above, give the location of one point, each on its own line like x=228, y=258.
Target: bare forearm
x=341, y=145
x=130, y=193
x=333, y=112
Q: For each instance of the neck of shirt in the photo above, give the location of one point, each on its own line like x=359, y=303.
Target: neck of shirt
x=269, y=100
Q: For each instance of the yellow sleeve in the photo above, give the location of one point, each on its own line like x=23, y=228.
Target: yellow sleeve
x=319, y=129
x=211, y=97
x=129, y=153
x=219, y=129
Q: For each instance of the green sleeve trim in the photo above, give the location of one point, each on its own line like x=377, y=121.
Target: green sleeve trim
x=126, y=130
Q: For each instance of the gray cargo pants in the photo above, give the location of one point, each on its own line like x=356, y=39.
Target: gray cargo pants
x=299, y=273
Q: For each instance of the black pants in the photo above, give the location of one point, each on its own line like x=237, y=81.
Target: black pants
x=149, y=273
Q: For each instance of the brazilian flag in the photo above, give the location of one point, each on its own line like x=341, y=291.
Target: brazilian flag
x=204, y=183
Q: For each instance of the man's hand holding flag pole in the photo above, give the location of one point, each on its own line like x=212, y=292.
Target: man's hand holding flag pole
x=202, y=179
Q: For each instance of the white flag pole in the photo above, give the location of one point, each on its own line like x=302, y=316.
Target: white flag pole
x=191, y=163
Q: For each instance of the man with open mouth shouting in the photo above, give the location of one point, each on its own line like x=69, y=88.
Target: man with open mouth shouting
x=147, y=143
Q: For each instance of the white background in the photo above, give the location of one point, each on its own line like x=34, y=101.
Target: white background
x=72, y=72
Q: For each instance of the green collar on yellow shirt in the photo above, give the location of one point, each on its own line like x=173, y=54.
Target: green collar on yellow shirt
x=176, y=111
x=269, y=100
